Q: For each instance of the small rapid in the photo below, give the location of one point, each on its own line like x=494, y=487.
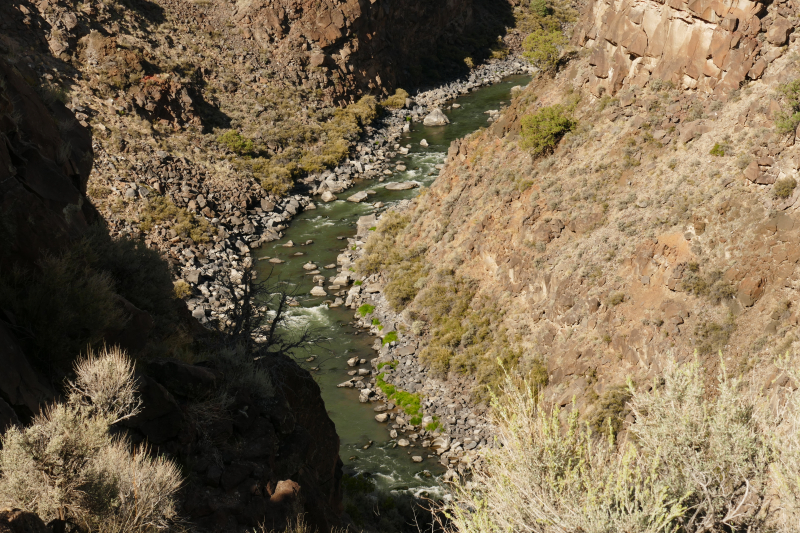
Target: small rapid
x=365, y=445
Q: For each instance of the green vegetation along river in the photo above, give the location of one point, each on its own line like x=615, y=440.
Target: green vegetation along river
x=328, y=227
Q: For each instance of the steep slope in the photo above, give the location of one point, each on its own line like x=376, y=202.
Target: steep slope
x=664, y=223
x=254, y=453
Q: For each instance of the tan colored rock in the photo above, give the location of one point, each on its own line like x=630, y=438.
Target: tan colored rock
x=778, y=33
x=752, y=172
x=706, y=45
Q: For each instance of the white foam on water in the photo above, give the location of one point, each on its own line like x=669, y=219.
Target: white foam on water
x=303, y=316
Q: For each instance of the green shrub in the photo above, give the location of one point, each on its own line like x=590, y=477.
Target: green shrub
x=389, y=337
x=711, y=336
x=615, y=299
x=161, y=210
x=542, y=130
x=437, y=358
x=611, y=410
x=236, y=142
x=788, y=120
x=72, y=300
x=543, y=47
x=65, y=306
x=784, y=187
x=365, y=310
x=396, y=101
x=719, y=150
x=711, y=285
x=182, y=289
x=541, y=8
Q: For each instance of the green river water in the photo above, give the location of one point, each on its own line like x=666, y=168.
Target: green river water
x=391, y=467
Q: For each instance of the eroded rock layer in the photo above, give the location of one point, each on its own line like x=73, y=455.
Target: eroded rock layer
x=708, y=45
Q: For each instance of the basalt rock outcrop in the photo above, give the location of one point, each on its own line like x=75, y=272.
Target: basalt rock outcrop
x=375, y=46
x=711, y=46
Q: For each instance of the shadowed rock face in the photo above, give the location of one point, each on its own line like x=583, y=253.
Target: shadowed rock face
x=371, y=45
x=45, y=160
x=709, y=45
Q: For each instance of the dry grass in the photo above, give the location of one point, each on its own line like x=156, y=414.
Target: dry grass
x=694, y=461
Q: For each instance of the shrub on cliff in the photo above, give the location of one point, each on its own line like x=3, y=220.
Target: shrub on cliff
x=695, y=460
x=543, y=47
x=788, y=120
x=68, y=466
x=542, y=130
x=784, y=187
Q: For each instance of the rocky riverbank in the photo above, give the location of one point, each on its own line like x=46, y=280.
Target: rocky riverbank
x=240, y=217
x=449, y=427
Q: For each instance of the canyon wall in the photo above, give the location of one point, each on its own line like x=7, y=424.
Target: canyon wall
x=655, y=229
x=360, y=46
x=712, y=46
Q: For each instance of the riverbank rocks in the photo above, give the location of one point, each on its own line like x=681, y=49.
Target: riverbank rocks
x=403, y=443
x=328, y=197
x=383, y=417
x=436, y=118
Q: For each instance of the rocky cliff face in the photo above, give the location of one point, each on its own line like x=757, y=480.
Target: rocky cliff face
x=654, y=230
x=711, y=46
x=371, y=47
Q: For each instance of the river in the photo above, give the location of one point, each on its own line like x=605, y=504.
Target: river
x=328, y=227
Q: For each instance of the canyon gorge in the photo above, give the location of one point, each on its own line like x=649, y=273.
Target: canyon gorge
x=334, y=236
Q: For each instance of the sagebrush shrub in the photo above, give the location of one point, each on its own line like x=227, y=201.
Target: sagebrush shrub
x=66, y=465
x=784, y=187
x=694, y=461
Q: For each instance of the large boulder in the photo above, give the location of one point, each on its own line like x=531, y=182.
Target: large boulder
x=778, y=32
x=436, y=118
x=401, y=186
x=358, y=197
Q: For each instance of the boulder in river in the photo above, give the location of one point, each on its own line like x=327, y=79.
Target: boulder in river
x=401, y=186
x=328, y=196
x=309, y=266
x=318, y=291
x=403, y=442
x=383, y=417
x=358, y=197
x=423, y=142
x=436, y=118
x=353, y=361
x=416, y=458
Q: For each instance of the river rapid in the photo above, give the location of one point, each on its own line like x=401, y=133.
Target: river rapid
x=328, y=227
